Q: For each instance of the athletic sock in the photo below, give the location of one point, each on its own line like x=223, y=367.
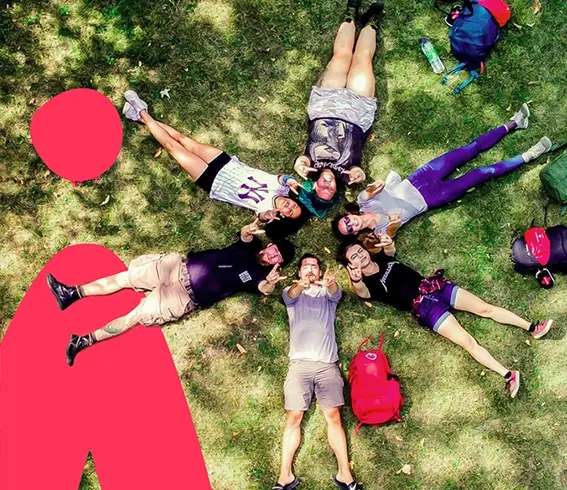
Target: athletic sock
x=508, y=375
x=532, y=327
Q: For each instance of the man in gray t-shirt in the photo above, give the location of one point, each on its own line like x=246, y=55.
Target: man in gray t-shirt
x=311, y=306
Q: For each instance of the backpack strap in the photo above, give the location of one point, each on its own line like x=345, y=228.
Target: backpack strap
x=357, y=430
x=462, y=86
x=457, y=69
x=381, y=341
x=365, y=341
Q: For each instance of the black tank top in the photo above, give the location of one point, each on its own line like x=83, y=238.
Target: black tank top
x=334, y=144
x=395, y=283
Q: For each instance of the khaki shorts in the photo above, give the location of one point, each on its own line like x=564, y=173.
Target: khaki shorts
x=307, y=377
x=165, y=275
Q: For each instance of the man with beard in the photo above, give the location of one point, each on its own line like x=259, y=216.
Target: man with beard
x=311, y=306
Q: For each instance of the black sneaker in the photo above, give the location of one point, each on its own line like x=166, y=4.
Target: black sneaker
x=76, y=345
x=65, y=295
x=373, y=15
x=351, y=14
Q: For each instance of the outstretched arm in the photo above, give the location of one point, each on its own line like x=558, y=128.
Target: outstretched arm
x=268, y=285
x=355, y=275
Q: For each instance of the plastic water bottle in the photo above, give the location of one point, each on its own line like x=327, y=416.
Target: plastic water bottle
x=432, y=56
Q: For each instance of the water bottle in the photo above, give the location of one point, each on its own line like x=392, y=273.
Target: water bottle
x=432, y=56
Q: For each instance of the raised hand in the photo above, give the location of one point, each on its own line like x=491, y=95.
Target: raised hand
x=294, y=185
x=301, y=283
x=303, y=167
x=329, y=280
x=253, y=228
x=274, y=277
x=385, y=239
x=269, y=216
x=354, y=272
x=375, y=188
x=356, y=175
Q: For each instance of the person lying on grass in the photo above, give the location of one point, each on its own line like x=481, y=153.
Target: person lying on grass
x=225, y=178
x=180, y=284
x=384, y=206
x=341, y=110
x=311, y=306
x=382, y=278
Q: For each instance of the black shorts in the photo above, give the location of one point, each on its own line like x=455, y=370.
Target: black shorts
x=206, y=179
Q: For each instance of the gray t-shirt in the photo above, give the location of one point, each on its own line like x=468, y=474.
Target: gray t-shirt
x=312, y=324
x=397, y=196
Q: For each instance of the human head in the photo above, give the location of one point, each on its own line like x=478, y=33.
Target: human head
x=350, y=224
x=309, y=268
x=279, y=251
x=288, y=207
x=326, y=185
x=353, y=252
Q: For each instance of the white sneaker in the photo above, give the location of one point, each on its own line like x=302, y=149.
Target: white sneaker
x=133, y=106
x=521, y=118
x=541, y=147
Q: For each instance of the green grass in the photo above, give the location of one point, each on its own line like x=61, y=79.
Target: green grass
x=218, y=57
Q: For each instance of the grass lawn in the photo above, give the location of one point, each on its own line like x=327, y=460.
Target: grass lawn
x=239, y=74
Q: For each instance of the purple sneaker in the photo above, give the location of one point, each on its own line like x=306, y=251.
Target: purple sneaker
x=133, y=106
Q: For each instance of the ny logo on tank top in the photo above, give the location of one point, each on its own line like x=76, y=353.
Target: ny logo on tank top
x=253, y=191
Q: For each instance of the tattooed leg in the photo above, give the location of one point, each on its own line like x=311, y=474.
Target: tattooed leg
x=115, y=327
x=335, y=75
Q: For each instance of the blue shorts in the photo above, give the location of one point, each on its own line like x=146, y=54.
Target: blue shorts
x=436, y=307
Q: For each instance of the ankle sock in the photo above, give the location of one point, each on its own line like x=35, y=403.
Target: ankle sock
x=532, y=327
x=372, y=16
x=508, y=376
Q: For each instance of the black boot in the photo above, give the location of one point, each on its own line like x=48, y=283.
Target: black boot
x=76, y=345
x=373, y=15
x=351, y=14
x=65, y=295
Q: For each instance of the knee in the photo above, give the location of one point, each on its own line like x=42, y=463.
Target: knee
x=293, y=420
x=342, y=56
x=485, y=310
x=170, y=145
x=333, y=416
x=469, y=344
x=363, y=56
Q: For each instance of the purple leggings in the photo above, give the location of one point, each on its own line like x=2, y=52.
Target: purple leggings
x=428, y=179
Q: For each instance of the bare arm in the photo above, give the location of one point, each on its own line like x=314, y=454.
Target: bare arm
x=298, y=286
x=355, y=275
x=268, y=285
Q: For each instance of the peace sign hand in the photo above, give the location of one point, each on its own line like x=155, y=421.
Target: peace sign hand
x=385, y=239
x=376, y=187
x=303, y=166
x=294, y=185
x=355, y=273
x=356, y=175
x=254, y=228
x=302, y=283
x=329, y=280
x=273, y=277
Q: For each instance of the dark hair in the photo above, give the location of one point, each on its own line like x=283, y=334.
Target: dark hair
x=344, y=246
x=350, y=208
x=284, y=227
x=308, y=256
x=286, y=248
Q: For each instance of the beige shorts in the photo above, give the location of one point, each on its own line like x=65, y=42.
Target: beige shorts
x=307, y=377
x=165, y=275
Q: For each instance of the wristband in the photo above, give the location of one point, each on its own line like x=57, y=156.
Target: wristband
x=286, y=177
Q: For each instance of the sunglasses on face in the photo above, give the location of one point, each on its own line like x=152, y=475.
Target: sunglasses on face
x=349, y=225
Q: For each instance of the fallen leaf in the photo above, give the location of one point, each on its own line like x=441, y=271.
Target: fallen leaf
x=532, y=83
x=531, y=25
x=372, y=137
x=509, y=108
x=517, y=26
x=482, y=373
x=399, y=439
x=164, y=93
x=351, y=464
x=139, y=63
x=368, y=304
x=265, y=299
x=259, y=368
x=528, y=342
x=327, y=250
x=536, y=6
x=261, y=99
x=158, y=152
x=46, y=173
x=254, y=320
x=396, y=334
x=422, y=442
x=542, y=404
x=241, y=349
x=105, y=200
x=234, y=434
x=405, y=469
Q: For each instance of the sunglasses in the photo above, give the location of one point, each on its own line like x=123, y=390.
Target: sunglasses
x=348, y=225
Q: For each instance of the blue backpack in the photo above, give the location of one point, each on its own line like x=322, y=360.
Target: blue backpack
x=472, y=36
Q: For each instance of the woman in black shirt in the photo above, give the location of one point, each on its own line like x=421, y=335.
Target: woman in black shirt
x=381, y=277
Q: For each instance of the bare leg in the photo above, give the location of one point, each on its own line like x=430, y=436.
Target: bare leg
x=335, y=74
x=291, y=440
x=466, y=301
x=360, y=76
x=192, y=164
x=107, y=285
x=337, y=441
x=452, y=330
x=207, y=153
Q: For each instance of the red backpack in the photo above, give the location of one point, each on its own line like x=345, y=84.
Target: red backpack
x=374, y=387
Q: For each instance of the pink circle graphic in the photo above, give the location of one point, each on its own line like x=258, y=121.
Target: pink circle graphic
x=78, y=134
